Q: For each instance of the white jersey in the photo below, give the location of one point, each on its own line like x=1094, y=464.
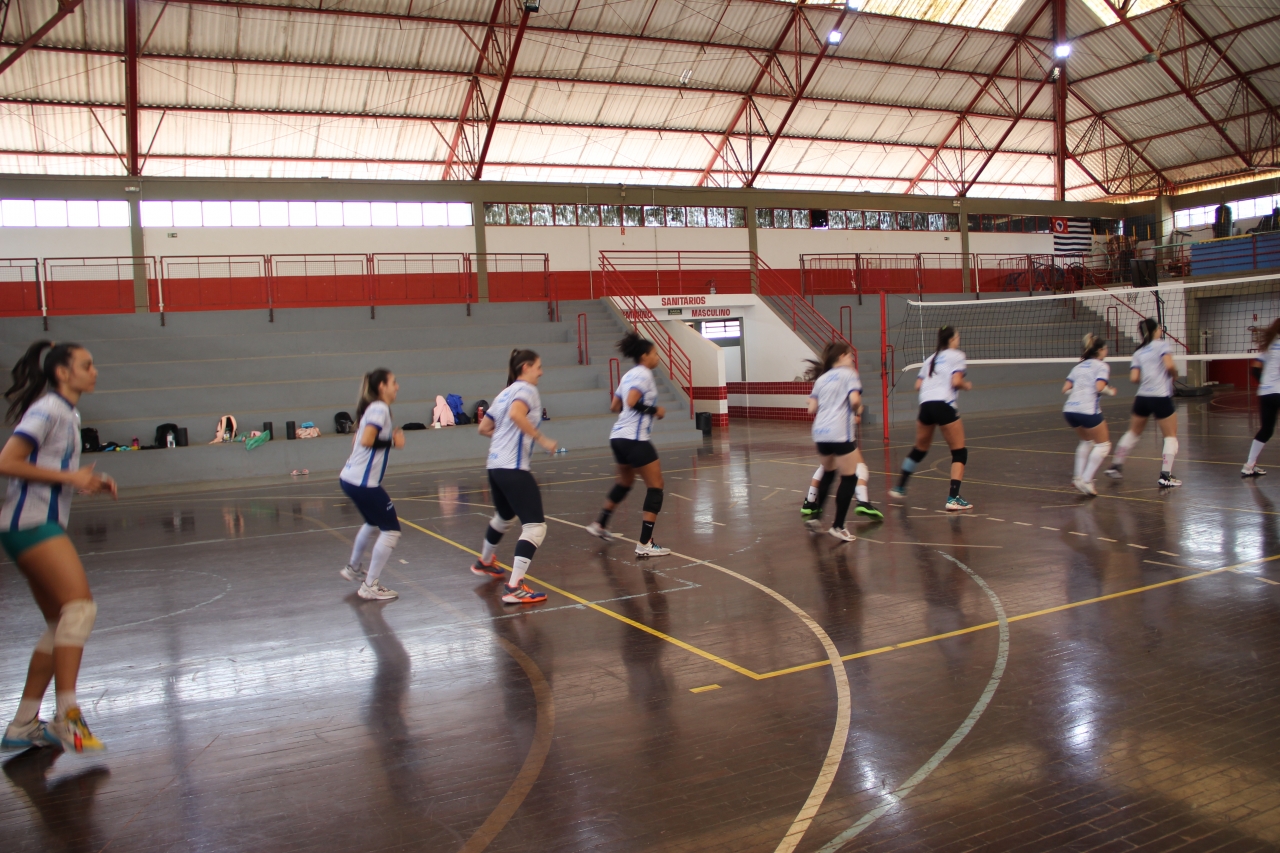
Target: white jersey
x=1270, y=381
x=632, y=424
x=1156, y=381
x=833, y=423
x=1082, y=399
x=367, y=465
x=946, y=363
x=53, y=425
x=509, y=447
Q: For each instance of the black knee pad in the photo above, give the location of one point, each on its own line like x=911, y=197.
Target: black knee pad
x=618, y=493
x=653, y=501
x=961, y=456
x=917, y=455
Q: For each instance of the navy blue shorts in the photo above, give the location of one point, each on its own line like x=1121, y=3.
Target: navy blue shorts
x=374, y=504
x=1077, y=420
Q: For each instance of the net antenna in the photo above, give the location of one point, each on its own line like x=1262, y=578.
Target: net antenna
x=1204, y=321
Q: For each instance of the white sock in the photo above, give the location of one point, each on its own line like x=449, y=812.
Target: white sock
x=1255, y=450
x=28, y=710
x=861, y=492
x=1124, y=445
x=1170, y=453
x=519, y=566
x=1096, y=455
x=364, y=541
x=813, y=494
x=813, y=488
x=487, y=550
x=66, y=701
x=381, y=553
x=1082, y=457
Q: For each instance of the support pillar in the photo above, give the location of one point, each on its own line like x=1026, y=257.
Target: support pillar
x=753, y=245
x=1060, y=104
x=964, y=248
x=482, y=260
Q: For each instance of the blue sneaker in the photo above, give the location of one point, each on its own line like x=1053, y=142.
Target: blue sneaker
x=522, y=595
x=26, y=735
x=898, y=492
x=958, y=504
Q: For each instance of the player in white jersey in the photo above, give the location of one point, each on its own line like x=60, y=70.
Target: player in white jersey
x=42, y=461
x=1153, y=371
x=941, y=378
x=1266, y=369
x=509, y=425
x=361, y=480
x=636, y=403
x=1090, y=378
x=836, y=404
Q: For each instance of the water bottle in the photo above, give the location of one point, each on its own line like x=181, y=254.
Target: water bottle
x=168, y=440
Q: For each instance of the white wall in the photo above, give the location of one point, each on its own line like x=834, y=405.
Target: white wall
x=707, y=361
x=980, y=242
x=64, y=242
x=304, y=241
x=578, y=248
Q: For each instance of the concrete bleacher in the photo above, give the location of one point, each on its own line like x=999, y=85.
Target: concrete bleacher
x=307, y=366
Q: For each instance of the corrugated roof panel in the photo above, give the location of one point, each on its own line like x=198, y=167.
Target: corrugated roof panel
x=46, y=76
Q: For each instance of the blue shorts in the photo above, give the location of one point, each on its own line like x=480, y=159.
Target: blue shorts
x=1077, y=420
x=374, y=504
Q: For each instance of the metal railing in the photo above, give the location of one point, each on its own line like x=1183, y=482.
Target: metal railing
x=789, y=304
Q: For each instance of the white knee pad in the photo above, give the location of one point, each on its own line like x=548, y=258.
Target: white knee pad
x=862, y=472
x=1102, y=448
x=389, y=538
x=45, y=643
x=499, y=523
x=76, y=623
x=1129, y=439
x=1171, y=446
x=535, y=533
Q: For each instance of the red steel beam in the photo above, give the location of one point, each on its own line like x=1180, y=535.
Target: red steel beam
x=65, y=8
x=502, y=93
x=1137, y=152
x=995, y=149
x=131, y=85
x=1240, y=75
x=473, y=90
x=1060, y=105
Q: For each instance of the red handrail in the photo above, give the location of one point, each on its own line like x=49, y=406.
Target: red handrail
x=806, y=321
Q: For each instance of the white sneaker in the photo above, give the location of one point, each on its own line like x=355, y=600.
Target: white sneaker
x=1168, y=481
x=26, y=735
x=351, y=573
x=1085, y=487
x=653, y=549
x=842, y=534
x=1255, y=471
x=814, y=524
x=597, y=530
x=377, y=593
x=1115, y=473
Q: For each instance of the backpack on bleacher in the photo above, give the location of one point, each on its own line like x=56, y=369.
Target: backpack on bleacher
x=163, y=432
x=343, y=424
x=454, y=401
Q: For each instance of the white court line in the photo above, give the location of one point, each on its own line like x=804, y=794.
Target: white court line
x=896, y=796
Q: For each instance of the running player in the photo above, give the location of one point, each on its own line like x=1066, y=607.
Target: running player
x=42, y=461
x=1088, y=379
x=812, y=508
x=1266, y=369
x=635, y=401
x=511, y=436
x=834, y=400
x=361, y=479
x=941, y=378
x=1153, y=369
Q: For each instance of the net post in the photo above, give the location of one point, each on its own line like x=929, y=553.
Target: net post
x=884, y=365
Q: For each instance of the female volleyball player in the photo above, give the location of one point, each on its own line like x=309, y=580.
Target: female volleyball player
x=835, y=402
x=1153, y=369
x=42, y=461
x=361, y=479
x=635, y=401
x=1088, y=379
x=1266, y=369
x=508, y=424
x=941, y=378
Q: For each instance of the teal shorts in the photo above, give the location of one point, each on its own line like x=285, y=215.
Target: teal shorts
x=15, y=542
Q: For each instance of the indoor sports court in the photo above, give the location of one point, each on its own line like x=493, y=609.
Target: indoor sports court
x=639, y=425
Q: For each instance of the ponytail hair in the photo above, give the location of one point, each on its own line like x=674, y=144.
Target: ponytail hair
x=830, y=354
x=1267, y=336
x=370, y=389
x=1147, y=329
x=519, y=358
x=30, y=380
x=1092, y=346
x=945, y=334
x=634, y=347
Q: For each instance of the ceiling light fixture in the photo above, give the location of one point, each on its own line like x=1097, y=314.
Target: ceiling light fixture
x=834, y=37
x=1062, y=51
x=853, y=5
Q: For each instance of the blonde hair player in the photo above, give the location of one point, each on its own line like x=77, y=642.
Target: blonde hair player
x=1086, y=381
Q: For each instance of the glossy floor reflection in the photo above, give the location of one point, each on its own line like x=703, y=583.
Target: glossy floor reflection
x=1130, y=700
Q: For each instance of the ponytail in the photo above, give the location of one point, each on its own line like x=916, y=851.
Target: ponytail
x=370, y=388
x=519, y=358
x=1092, y=346
x=634, y=347
x=1269, y=334
x=945, y=334
x=830, y=353
x=1147, y=329
x=30, y=380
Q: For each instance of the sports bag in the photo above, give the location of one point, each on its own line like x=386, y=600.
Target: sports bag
x=163, y=432
x=89, y=441
x=481, y=408
x=454, y=402
x=343, y=424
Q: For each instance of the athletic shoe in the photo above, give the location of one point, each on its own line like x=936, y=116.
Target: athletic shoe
x=842, y=534
x=1167, y=481
x=1085, y=487
x=487, y=570
x=958, y=504
x=598, y=530
x=522, y=595
x=26, y=735
x=653, y=549
x=351, y=573
x=1115, y=473
x=376, y=593
x=867, y=509
x=814, y=524
x=1256, y=472
x=898, y=492
x=72, y=734
x=810, y=508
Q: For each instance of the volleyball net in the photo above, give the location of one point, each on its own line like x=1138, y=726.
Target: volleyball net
x=1203, y=321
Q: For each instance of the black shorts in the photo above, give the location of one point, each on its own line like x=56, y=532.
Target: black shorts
x=1077, y=420
x=515, y=493
x=374, y=504
x=836, y=448
x=1161, y=407
x=937, y=413
x=636, y=454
